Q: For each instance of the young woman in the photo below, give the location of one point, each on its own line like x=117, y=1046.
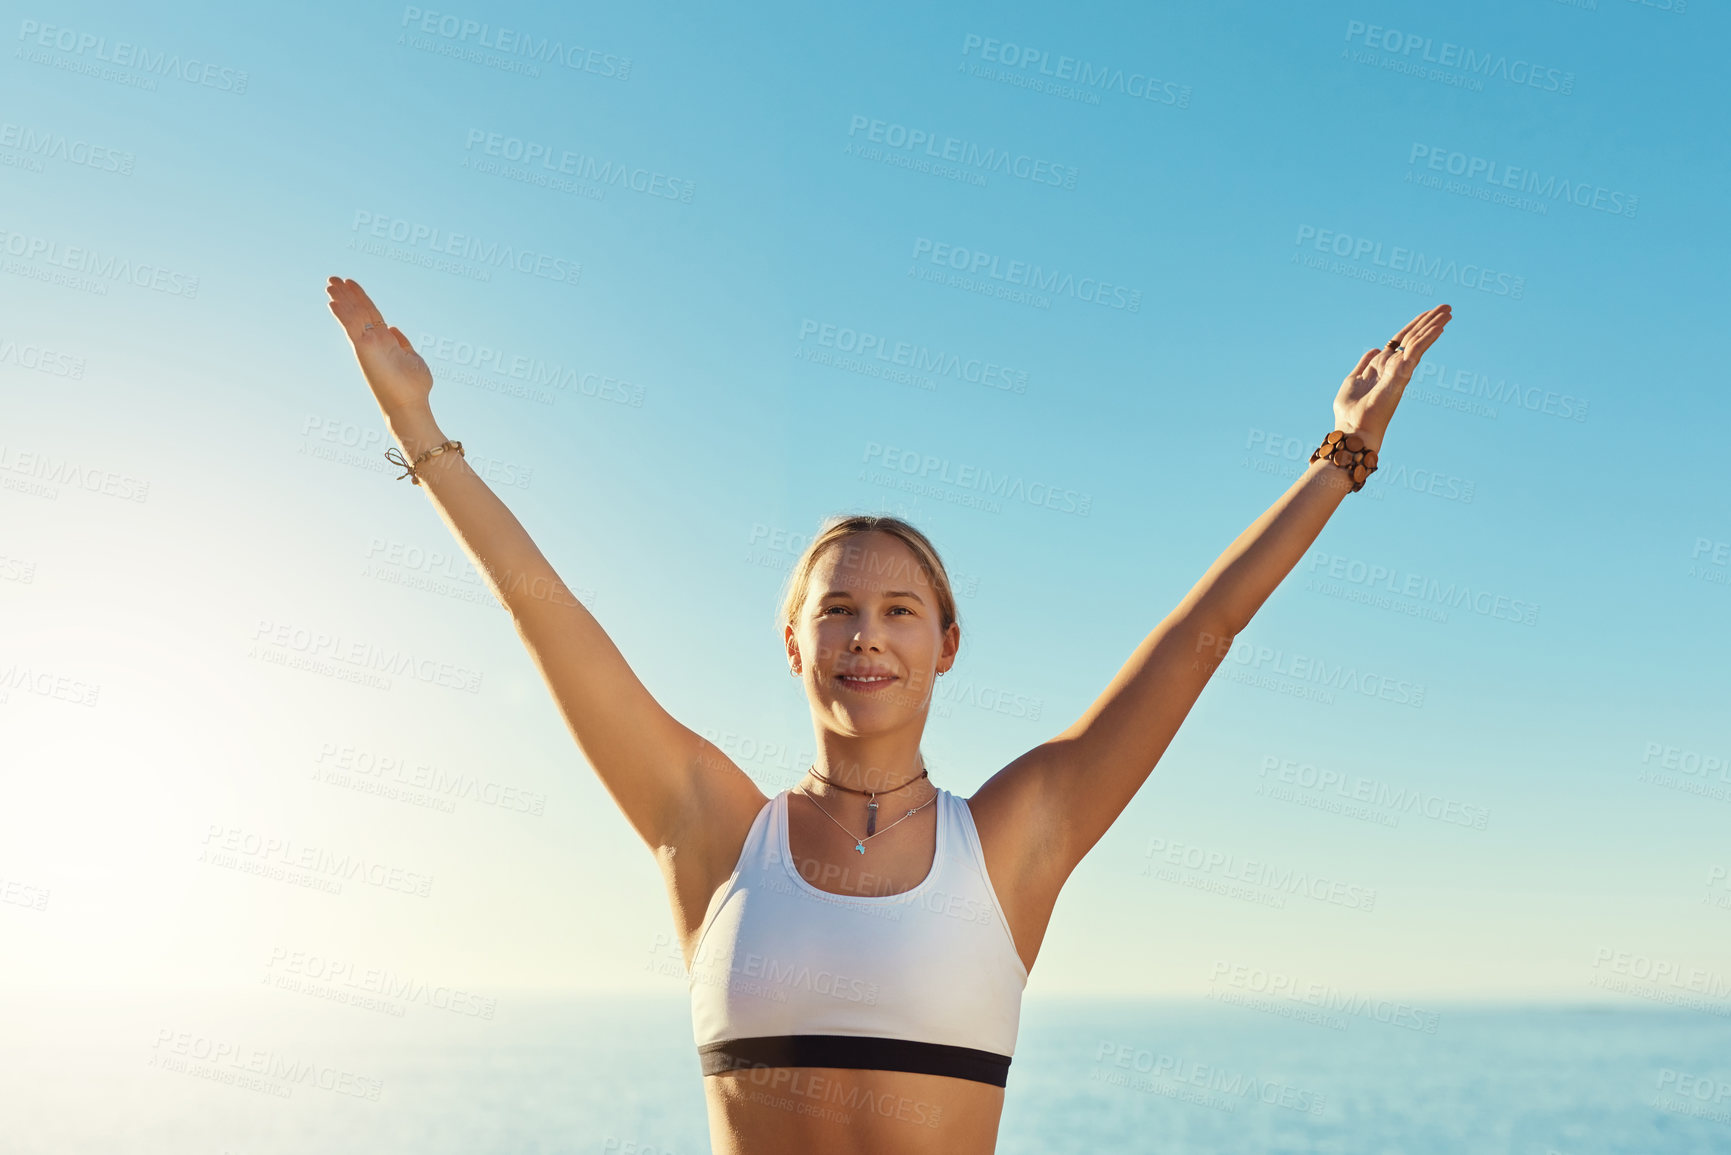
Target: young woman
x=858, y=944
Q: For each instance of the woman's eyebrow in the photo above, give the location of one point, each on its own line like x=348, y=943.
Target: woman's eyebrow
x=887, y=594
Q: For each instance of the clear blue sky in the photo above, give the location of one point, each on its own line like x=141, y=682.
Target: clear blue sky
x=1273, y=188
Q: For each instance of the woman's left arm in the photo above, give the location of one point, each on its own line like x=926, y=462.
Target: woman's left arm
x=1068, y=791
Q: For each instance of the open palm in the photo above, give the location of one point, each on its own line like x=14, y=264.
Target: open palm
x=1368, y=396
x=398, y=376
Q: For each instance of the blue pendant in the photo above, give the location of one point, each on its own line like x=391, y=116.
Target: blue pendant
x=859, y=846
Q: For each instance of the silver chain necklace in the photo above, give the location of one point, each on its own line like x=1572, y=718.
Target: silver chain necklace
x=859, y=842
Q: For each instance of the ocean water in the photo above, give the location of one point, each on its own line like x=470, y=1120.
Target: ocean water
x=250, y=1074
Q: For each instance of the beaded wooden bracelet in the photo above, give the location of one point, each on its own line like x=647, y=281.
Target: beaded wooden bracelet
x=1348, y=451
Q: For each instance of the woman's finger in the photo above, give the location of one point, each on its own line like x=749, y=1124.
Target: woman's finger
x=360, y=295
x=1417, y=343
x=1358, y=369
x=1399, y=338
x=1424, y=320
x=1407, y=330
x=1425, y=336
x=356, y=296
x=354, y=309
x=344, y=304
x=1425, y=340
x=345, y=314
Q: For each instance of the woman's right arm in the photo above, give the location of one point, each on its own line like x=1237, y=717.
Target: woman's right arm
x=661, y=773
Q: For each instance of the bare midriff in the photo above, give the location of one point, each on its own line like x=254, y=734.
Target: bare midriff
x=800, y=1110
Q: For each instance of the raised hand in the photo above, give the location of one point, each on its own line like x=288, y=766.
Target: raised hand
x=399, y=378
x=1368, y=396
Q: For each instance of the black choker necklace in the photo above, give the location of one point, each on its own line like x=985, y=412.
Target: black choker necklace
x=871, y=806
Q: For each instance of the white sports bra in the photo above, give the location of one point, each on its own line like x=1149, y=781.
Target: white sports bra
x=788, y=975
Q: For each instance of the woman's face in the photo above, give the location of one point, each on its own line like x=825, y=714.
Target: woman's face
x=867, y=642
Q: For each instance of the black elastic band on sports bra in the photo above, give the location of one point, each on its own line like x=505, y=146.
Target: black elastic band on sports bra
x=856, y=1052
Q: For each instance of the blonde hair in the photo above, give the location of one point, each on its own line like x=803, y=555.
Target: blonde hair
x=838, y=529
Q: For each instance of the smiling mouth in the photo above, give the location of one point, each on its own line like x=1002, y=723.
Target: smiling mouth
x=861, y=683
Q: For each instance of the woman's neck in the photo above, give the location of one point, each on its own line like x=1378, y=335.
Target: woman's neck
x=842, y=775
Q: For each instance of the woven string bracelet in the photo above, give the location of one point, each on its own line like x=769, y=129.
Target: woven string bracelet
x=424, y=454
